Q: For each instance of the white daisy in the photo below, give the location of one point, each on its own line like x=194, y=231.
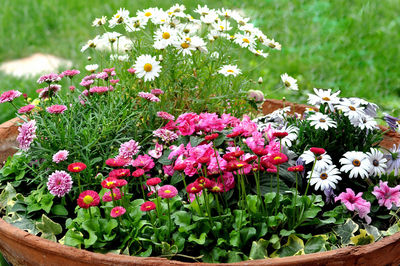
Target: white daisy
x=120, y=17
x=161, y=17
x=365, y=122
x=272, y=44
x=198, y=43
x=183, y=45
x=227, y=13
x=323, y=96
x=319, y=120
x=352, y=110
x=289, y=82
x=228, y=70
x=323, y=160
x=357, y=163
x=210, y=18
x=121, y=58
x=147, y=14
x=91, y=43
x=325, y=178
x=258, y=52
x=165, y=36
x=92, y=68
x=245, y=40
x=239, y=19
x=292, y=135
x=148, y=67
x=378, y=162
x=99, y=21
x=202, y=10
x=222, y=26
x=176, y=9
x=135, y=24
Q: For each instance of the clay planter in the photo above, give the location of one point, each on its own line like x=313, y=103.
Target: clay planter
x=22, y=248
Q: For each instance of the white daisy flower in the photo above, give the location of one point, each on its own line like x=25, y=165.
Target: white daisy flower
x=121, y=58
x=222, y=26
x=272, y=44
x=244, y=40
x=289, y=82
x=188, y=29
x=120, y=17
x=229, y=70
x=135, y=24
x=357, y=163
x=352, y=110
x=378, y=162
x=91, y=43
x=319, y=120
x=210, y=18
x=147, y=67
x=165, y=36
x=183, y=45
x=365, y=122
x=292, y=135
x=161, y=17
x=92, y=68
x=239, y=19
x=323, y=160
x=99, y=21
x=323, y=96
x=198, y=43
x=227, y=13
x=202, y=10
x=258, y=52
x=325, y=178
x=176, y=9
x=147, y=14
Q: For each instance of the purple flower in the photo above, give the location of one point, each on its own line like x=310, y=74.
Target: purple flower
x=49, y=78
x=386, y=195
x=60, y=156
x=330, y=195
x=9, y=96
x=393, y=160
x=128, y=149
x=355, y=203
x=27, y=132
x=391, y=121
x=59, y=183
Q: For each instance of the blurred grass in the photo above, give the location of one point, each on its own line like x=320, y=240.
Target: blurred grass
x=340, y=44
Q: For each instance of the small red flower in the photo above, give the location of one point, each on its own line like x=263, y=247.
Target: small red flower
x=235, y=165
x=109, y=182
x=138, y=172
x=230, y=156
x=211, y=137
x=119, y=162
x=118, y=173
x=121, y=182
x=192, y=189
x=88, y=198
x=147, y=206
x=251, y=158
x=180, y=166
x=278, y=158
x=117, y=211
x=260, y=151
x=296, y=168
x=153, y=181
x=235, y=134
x=317, y=151
x=204, y=159
x=76, y=167
x=280, y=134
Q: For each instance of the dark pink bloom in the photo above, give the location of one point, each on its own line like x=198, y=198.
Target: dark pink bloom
x=153, y=181
x=26, y=109
x=147, y=206
x=317, y=151
x=167, y=191
x=107, y=197
x=157, y=92
x=56, y=109
x=118, y=173
x=355, y=203
x=98, y=90
x=114, y=81
x=131, y=70
x=165, y=115
x=109, y=70
x=88, y=198
x=70, y=73
x=386, y=195
x=9, y=96
x=59, y=183
x=27, y=133
x=117, y=211
x=143, y=161
x=137, y=173
x=49, y=78
x=168, y=170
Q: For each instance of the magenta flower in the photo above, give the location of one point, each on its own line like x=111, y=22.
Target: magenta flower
x=117, y=211
x=165, y=115
x=167, y=192
x=149, y=96
x=355, y=203
x=386, y=195
x=49, y=78
x=107, y=197
x=56, y=109
x=98, y=90
x=157, y=92
x=129, y=149
x=143, y=161
x=60, y=156
x=70, y=73
x=27, y=132
x=59, y=183
x=26, y=109
x=9, y=96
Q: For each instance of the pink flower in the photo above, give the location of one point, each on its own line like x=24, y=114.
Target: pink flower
x=26, y=109
x=107, y=197
x=165, y=134
x=228, y=181
x=88, y=198
x=167, y=191
x=114, y=81
x=59, y=183
x=27, y=132
x=49, y=91
x=246, y=127
x=117, y=211
x=153, y=181
x=70, y=73
x=165, y=115
x=209, y=122
x=9, y=96
x=168, y=170
x=129, y=149
x=255, y=141
x=143, y=161
x=157, y=92
x=386, y=195
x=60, y=156
x=355, y=203
x=109, y=70
x=56, y=109
x=49, y=78
x=157, y=152
x=186, y=128
x=86, y=83
x=147, y=206
x=98, y=90
x=149, y=96
x=102, y=75
x=131, y=70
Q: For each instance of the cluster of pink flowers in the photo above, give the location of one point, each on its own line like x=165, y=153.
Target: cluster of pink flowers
x=49, y=91
x=70, y=73
x=56, y=109
x=9, y=96
x=49, y=78
x=356, y=203
x=165, y=115
x=27, y=133
x=149, y=96
x=99, y=89
x=26, y=109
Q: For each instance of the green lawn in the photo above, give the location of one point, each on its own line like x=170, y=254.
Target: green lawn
x=348, y=45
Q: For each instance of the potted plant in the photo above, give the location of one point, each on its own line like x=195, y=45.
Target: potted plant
x=151, y=156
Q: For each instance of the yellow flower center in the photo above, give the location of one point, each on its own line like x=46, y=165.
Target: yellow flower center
x=167, y=191
x=166, y=35
x=109, y=183
x=322, y=120
x=278, y=158
x=116, y=211
x=246, y=40
x=352, y=108
x=326, y=99
x=147, y=67
x=188, y=39
x=184, y=45
x=221, y=27
x=76, y=168
x=287, y=84
x=230, y=71
x=117, y=16
x=323, y=176
x=356, y=163
x=88, y=199
x=147, y=14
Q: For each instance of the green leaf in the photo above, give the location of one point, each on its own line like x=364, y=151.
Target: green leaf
x=275, y=241
x=73, y=238
x=252, y=203
x=240, y=219
x=234, y=238
x=201, y=240
x=246, y=234
x=7, y=196
x=392, y=230
x=22, y=222
x=146, y=253
x=294, y=246
x=176, y=178
x=48, y=228
x=285, y=232
x=194, y=141
x=315, y=244
x=372, y=230
x=346, y=231
x=59, y=210
x=362, y=239
x=91, y=226
x=218, y=141
x=259, y=249
x=234, y=256
x=181, y=218
x=46, y=202
x=164, y=158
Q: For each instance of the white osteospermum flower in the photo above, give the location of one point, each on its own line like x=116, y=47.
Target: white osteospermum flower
x=92, y=68
x=292, y=135
x=319, y=120
x=378, y=162
x=352, y=110
x=120, y=17
x=323, y=96
x=325, y=178
x=99, y=21
x=229, y=70
x=227, y=13
x=147, y=67
x=289, y=82
x=357, y=163
x=323, y=160
x=365, y=122
x=245, y=40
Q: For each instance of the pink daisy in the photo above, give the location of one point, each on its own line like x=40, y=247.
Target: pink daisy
x=147, y=206
x=60, y=156
x=9, y=96
x=88, y=198
x=165, y=115
x=149, y=96
x=27, y=132
x=26, y=109
x=386, y=195
x=98, y=90
x=49, y=78
x=59, y=183
x=70, y=73
x=117, y=211
x=167, y=191
x=56, y=109
x=157, y=92
x=107, y=197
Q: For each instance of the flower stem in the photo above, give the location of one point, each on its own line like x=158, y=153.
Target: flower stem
x=309, y=179
x=169, y=221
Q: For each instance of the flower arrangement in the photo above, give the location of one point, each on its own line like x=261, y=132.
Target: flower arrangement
x=153, y=156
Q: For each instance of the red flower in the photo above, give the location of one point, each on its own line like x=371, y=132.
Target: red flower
x=235, y=134
x=109, y=182
x=230, y=156
x=180, y=166
x=235, y=165
x=296, y=168
x=279, y=134
x=138, y=172
x=76, y=167
x=317, y=151
x=217, y=188
x=204, y=159
x=118, y=173
x=192, y=189
x=119, y=162
x=121, y=182
x=251, y=158
x=117, y=211
x=153, y=181
x=278, y=158
x=260, y=151
x=88, y=198
x=147, y=206
x=268, y=165
x=211, y=137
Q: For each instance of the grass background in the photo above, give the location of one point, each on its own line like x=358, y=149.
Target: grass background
x=348, y=45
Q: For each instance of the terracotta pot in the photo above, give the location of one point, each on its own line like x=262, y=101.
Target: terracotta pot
x=22, y=248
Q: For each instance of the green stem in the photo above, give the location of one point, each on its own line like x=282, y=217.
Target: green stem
x=169, y=221
x=309, y=179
